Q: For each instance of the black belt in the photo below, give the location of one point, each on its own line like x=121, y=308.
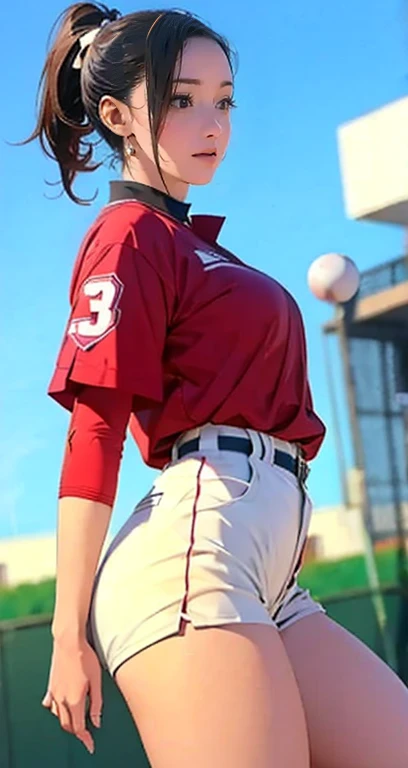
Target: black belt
x=297, y=466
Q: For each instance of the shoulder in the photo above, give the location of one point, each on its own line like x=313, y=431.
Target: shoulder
x=133, y=224
x=126, y=232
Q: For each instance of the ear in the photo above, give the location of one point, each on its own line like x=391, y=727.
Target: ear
x=115, y=115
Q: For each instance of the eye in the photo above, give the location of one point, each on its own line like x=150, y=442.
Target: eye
x=228, y=103
x=184, y=100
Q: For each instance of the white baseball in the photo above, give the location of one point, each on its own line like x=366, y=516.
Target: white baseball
x=333, y=277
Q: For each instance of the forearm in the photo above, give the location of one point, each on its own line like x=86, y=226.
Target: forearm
x=87, y=491
x=82, y=529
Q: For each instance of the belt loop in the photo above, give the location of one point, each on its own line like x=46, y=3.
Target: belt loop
x=208, y=438
x=189, y=434
x=269, y=444
x=302, y=468
x=174, y=450
x=257, y=444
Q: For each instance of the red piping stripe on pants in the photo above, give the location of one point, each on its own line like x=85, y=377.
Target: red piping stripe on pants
x=190, y=549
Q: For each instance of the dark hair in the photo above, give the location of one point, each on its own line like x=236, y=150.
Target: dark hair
x=142, y=44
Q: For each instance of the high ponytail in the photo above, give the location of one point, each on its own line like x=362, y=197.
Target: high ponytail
x=145, y=44
x=62, y=122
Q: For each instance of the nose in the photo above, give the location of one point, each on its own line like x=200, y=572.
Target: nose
x=212, y=127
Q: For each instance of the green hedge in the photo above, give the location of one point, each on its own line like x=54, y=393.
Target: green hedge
x=330, y=577
x=27, y=599
x=322, y=578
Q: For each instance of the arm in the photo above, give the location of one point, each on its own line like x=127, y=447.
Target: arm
x=82, y=529
x=100, y=376
x=88, y=486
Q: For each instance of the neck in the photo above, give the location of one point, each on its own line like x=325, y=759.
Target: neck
x=134, y=171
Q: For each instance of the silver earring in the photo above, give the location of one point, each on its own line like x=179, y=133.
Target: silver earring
x=129, y=150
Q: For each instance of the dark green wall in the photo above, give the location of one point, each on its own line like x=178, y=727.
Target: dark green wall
x=31, y=737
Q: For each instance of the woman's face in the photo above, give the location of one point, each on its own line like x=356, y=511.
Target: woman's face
x=198, y=120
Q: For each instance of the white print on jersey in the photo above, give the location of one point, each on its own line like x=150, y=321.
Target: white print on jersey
x=212, y=260
x=104, y=292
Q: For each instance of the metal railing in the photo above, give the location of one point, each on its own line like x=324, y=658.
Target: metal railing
x=384, y=276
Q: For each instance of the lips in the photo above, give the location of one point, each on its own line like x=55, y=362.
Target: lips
x=213, y=153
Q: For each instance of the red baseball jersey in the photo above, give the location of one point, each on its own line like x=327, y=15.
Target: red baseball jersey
x=160, y=310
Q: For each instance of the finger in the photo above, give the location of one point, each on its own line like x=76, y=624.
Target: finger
x=78, y=725
x=95, y=696
x=47, y=700
x=54, y=709
x=64, y=713
x=78, y=717
x=65, y=717
x=96, y=718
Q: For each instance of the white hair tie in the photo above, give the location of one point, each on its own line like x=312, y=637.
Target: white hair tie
x=84, y=42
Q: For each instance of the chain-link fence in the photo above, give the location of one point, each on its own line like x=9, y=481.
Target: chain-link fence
x=377, y=356
x=372, y=331
x=374, y=365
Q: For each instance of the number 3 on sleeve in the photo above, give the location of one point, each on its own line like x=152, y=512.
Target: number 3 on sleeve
x=97, y=309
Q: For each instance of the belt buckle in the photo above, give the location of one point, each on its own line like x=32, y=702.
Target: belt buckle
x=302, y=469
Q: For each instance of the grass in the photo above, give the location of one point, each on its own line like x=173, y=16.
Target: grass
x=323, y=578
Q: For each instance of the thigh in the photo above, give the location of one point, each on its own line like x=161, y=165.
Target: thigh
x=356, y=707
x=218, y=697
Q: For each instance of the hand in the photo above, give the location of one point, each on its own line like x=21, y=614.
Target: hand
x=75, y=672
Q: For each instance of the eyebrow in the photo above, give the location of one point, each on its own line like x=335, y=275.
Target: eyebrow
x=193, y=81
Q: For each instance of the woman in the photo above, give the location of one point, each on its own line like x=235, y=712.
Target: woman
x=195, y=609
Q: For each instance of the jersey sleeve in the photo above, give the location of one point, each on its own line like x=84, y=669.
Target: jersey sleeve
x=94, y=446
x=116, y=331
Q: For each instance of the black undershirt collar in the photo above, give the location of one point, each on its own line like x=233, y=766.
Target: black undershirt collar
x=134, y=190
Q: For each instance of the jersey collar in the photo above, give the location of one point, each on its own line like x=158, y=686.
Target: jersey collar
x=204, y=226
x=207, y=227
x=134, y=190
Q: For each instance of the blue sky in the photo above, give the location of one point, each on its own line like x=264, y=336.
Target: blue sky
x=305, y=68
